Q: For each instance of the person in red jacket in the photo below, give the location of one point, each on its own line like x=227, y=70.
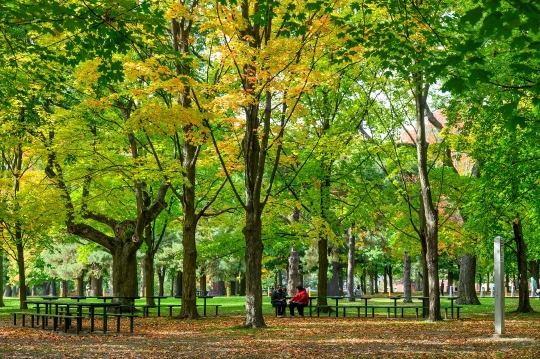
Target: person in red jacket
x=299, y=301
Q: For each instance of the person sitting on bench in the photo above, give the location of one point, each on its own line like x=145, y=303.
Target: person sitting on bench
x=299, y=301
x=279, y=301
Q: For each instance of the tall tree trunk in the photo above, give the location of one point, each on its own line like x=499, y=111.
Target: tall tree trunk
x=45, y=288
x=111, y=279
x=533, y=269
x=430, y=212
x=450, y=281
x=149, y=274
x=22, y=275
x=322, y=277
x=391, y=278
x=385, y=280
x=351, y=265
x=64, y=288
x=179, y=283
x=161, y=280
x=202, y=281
x=371, y=282
x=407, y=278
x=242, y=284
x=142, y=289
x=189, y=264
x=336, y=282
x=125, y=270
x=2, y=293
x=232, y=288
x=79, y=285
x=253, y=258
x=294, y=272
x=363, y=281
x=52, y=289
x=466, y=285
x=523, y=279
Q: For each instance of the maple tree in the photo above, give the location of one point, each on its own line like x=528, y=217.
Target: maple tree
x=271, y=82
x=302, y=102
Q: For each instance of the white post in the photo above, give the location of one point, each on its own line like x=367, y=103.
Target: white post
x=498, y=285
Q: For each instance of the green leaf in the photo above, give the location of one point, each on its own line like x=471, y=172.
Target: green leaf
x=507, y=110
x=473, y=16
x=515, y=121
x=479, y=75
x=454, y=84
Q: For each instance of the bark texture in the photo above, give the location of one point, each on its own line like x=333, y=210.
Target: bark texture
x=431, y=217
x=523, y=279
x=294, y=272
x=351, y=265
x=466, y=284
x=407, y=283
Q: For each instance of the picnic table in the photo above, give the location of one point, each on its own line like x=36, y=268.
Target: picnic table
x=452, y=299
x=48, y=297
x=67, y=316
x=204, y=298
x=159, y=298
x=425, y=304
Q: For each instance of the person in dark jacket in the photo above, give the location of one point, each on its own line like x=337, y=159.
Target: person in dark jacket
x=299, y=301
x=279, y=301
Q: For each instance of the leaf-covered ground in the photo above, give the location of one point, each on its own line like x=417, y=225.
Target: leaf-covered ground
x=223, y=337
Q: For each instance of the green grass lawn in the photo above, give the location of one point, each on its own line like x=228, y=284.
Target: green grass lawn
x=235, y=306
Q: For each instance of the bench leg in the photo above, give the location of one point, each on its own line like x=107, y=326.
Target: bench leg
x=131, y=324
x=118, y=324
x=457, y=313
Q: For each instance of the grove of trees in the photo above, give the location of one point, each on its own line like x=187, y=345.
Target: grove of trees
x=248, y=141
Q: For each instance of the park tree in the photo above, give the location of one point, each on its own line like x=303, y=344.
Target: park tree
x=103, y=126
x=497, y=43
x=264, y=87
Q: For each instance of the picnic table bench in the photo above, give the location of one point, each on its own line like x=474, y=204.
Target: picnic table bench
x=56, y=320
x=62, y=311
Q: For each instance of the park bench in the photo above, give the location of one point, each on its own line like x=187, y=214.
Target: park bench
x=210, y=306
x=119, y=316
x=451, y=308
x=146, y=308
x=395, y=308
x=357, y=307
x=57, y=318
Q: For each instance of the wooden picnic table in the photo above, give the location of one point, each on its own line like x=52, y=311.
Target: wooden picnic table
x=159, y=298
x=79, y=305
x=92, y=311
x=50, y=298
x=452, y=299
x=204, y=298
